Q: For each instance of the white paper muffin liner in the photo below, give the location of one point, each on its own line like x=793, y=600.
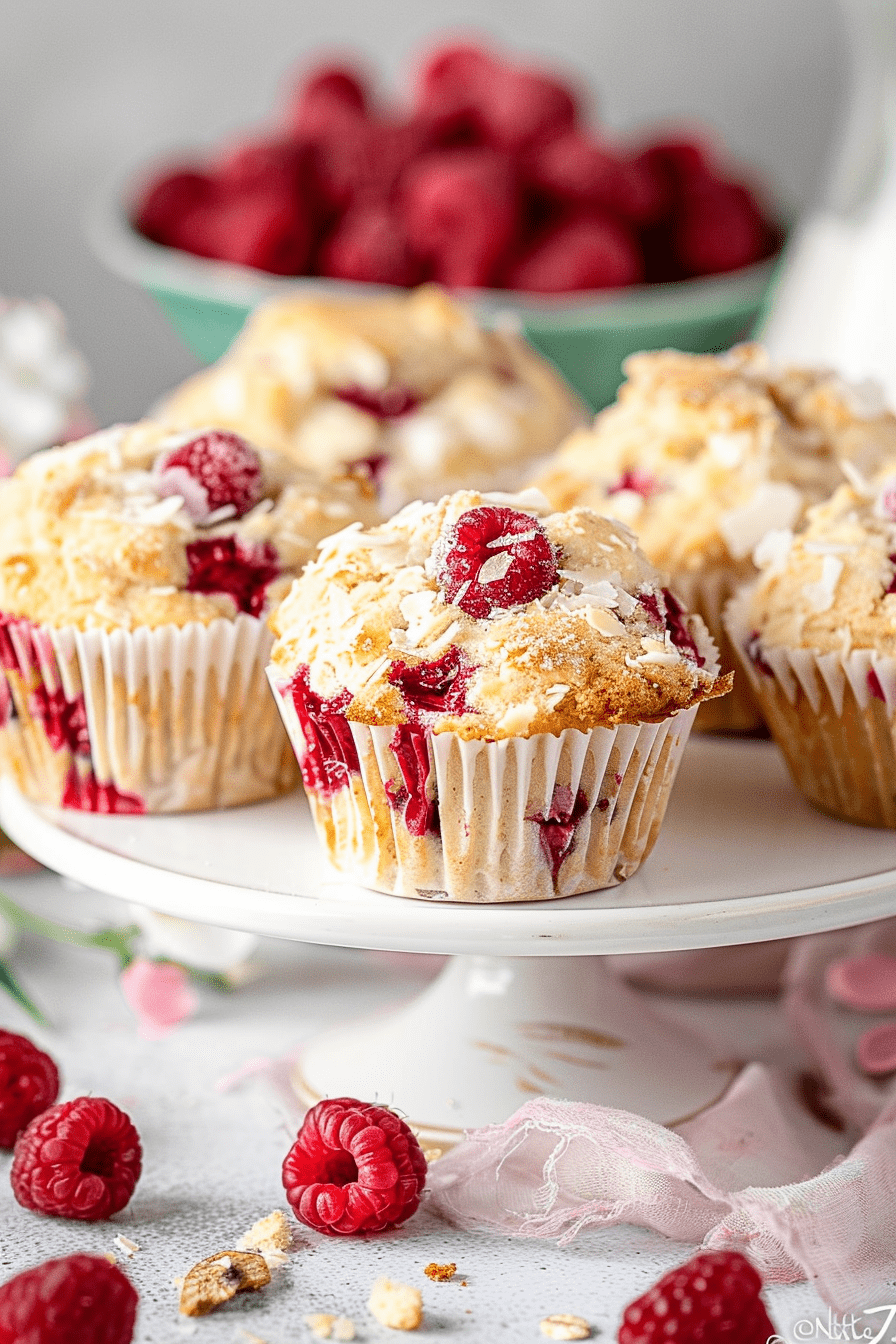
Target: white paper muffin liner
x=832, y=714
x=707, y=592
x=521, y=819
x=169, y=719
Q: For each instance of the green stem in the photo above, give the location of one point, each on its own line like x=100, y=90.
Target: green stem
x=117, y=940
x=9, y=982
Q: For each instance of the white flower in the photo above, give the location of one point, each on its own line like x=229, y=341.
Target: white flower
x=42, y=377
x=203, y=946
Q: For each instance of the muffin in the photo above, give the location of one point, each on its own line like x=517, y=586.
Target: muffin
x=702, y=455
x=406, y=389
x=136, y=572
x=816, y=635
x=488, y=700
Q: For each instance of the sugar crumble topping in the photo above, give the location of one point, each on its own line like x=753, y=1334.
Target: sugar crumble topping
x=92, y=536
x=574, y=629
x=831, y=587
x=704, y=454
x=408, y=389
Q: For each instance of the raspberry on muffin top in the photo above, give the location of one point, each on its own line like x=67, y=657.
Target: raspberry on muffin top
x=139, y=526
x=832, y=587
x=703, y=454
x=491, y=616
x=407, y=389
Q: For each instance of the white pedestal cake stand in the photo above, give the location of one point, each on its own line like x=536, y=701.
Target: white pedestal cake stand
x=525, y=1006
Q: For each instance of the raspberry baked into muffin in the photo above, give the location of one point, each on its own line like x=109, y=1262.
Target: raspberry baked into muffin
x=136, y=571
x=489, y=701
x=702, y=455
x=406, y=389
x=816, y=634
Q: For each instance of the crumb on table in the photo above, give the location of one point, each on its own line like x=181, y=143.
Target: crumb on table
x=327, y=1326
x=396, y=1305
x=440, y=1273
x=563, y=1325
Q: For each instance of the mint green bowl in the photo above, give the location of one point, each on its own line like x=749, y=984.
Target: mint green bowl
x=587, y=335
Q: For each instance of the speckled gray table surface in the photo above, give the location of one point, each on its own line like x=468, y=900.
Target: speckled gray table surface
x=212, y=1159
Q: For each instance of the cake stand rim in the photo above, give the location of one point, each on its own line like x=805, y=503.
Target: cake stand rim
x=398, y=924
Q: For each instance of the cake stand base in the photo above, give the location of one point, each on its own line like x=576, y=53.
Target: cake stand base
x=492, y=1031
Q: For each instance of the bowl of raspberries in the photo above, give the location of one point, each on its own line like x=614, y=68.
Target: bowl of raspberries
x=491, y=181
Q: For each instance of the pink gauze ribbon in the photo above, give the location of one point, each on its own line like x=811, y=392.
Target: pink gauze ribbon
x=736, y=1177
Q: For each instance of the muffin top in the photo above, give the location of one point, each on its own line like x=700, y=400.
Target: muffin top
x=832, y=587
x=407, y=388
x=139, y=526
x=703, y=454
x=491, y=616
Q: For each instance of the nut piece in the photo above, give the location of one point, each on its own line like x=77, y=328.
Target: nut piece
x=396, y=1305
x=564, y=1326
x=326, y=1326
x=219, y=1278
x=440, y=1273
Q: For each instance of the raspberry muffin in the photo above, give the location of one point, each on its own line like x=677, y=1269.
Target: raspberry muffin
x=136, y=571
x=489, y=700
x=816, y=635
x=702, y=455
x=406, y=389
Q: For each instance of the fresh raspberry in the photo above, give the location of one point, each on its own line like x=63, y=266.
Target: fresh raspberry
x=324, y=94
x=360, y=162
x=80, y=1299
x=586, y=252
x=719, y=228
x=678, y=163
x=29, y=1083
x=495, y=558
x=577, y=168
x=167, y=199
x=713, y=1299
x=268, y=228
x=340, y=157
x=214, y=470
x=80, y=1159
x=251, y=165
x=369, y=244
x=448, y=92
x=353, y=1168
x=242, y=569
x=520, y=106
x=461, y=210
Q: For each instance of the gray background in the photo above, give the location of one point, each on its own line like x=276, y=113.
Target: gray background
x=90, y=85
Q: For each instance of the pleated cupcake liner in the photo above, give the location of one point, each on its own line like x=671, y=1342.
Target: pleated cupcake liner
x=439, y=817
x=170, y=719
x=832, y=714
x=707, y=593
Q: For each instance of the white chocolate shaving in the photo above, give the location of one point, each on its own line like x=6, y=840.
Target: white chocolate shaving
x=820, y=595
x=774, y=505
